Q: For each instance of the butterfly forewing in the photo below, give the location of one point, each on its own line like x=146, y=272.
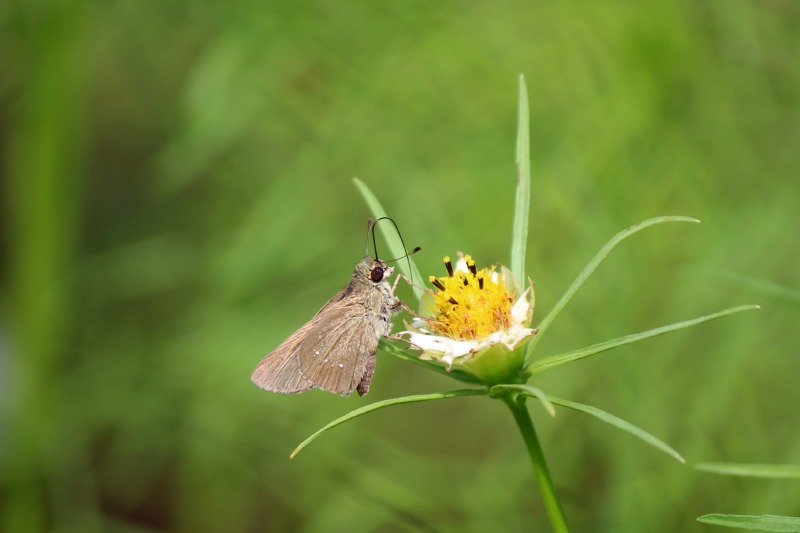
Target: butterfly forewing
x=337, y=348
x=280, y=370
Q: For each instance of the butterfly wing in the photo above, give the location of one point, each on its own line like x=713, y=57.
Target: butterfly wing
x=280, y=370
x=339, y=350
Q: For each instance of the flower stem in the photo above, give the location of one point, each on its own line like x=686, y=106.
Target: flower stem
x=522, y=417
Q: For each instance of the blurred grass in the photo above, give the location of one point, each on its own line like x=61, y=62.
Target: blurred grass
x=177, y=199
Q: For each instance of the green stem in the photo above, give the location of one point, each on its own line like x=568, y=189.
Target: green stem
x=517, y=405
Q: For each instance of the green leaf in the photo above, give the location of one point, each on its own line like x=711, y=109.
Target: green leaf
x=621, y=424
x=752, y=470
x=523, y=198
x=587, y=271
x=528, y=390
x=547, y=363
x=767, y=522
x=430, y=365
x=392, y=239
x=388, y=403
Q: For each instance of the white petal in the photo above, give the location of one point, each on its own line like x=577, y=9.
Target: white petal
x=519, y=311
x=449, y=348
x=452, y=351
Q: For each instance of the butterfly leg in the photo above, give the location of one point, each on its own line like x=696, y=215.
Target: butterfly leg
x=401, y=303
x=397, y=280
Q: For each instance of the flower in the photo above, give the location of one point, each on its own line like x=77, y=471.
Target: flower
x=476, y=323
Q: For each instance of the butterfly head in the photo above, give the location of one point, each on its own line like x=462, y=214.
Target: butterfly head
x=374, y=270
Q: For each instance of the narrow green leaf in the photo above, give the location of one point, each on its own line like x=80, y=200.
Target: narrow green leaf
x=528, y=390
x=430, y=365
x=621, y=424
x=587, y=271
x=547, y=363
x=523, y=198
x=388, y=403
x=392, y=239
x=752, y=470
x=767, y=522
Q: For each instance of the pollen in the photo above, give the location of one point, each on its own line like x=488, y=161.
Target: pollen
x=470, y=304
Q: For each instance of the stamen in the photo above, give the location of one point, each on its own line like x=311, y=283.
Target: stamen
x=471, y=265
x=452, y=301
x=480, y=282
x=438, y=284
x=466, y=281
x=448, y=265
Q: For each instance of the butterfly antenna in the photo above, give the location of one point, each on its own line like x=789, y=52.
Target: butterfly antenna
x=375, y=246
x=370, y=224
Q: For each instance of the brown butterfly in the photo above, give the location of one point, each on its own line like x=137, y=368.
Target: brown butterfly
x=335, y=350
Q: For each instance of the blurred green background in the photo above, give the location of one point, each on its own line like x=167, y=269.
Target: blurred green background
x=177, y=199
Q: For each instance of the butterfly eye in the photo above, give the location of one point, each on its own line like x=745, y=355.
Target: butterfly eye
x=376, y=274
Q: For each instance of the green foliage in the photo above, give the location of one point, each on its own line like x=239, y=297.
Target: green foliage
x=522, y=199
x=388, y=403
x=553, y=361
x=621, y=424
x=752, y=470
x=785, y=524
x=759, y=523
x=590, y=268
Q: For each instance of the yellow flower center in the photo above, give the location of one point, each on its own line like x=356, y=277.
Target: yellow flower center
x=470, y=305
